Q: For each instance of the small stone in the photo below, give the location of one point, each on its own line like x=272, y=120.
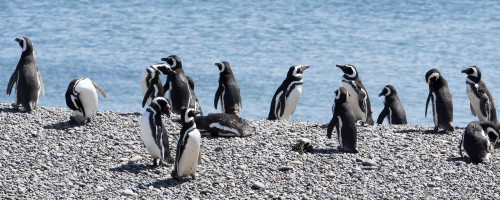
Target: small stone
x=296, y=162
x=258, y=185
x=330, y=175
x=242, y=167
x=359, y=160
x=128, y=192
x=135, y=159
x=369, y=163
x=437, y=178
x=285, y=168
x=21, y=190
x=99, y=188
x=460, y=162
x=304, y=141
x=369, y=167
x=218, y=149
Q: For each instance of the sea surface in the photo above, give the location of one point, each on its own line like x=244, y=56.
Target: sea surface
x=390, y=42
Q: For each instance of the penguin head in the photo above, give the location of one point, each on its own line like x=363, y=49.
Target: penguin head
x=491, y=130
x=473, y=73
x=341, y=95
x=163, y=69
x=174, y=61
x=349, y=71
x=388, y=91
x=162, y=104
x=297, y=70
x=432, y=76
x=188, y=114
x=224, y=67
x=25, y=43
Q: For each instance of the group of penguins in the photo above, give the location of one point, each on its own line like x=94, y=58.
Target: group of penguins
x=351, y=104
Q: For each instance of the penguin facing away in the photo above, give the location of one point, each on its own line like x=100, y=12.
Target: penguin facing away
x=81, y=97
x=287, y=95
x=442, y=104
x=27, y=78
x=478, y=141
x=224, y=125
x=228, y=91
x=188, y=154
x=178, y=88
x=358, y=99
x=149, y=74
x=393, y=110
x=344, y=121
x=155, y=89
x=481, y=101
x=153, y=132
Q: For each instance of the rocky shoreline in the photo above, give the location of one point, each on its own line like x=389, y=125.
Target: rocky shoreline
x=43, y=156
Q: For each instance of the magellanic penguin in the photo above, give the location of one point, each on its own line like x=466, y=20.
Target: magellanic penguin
x=478, y=140
x=149, y=74
x=481, y=101
x=81, y=97
x=188, y=154
x=442, y=104
x=155, y=88
x=224, y=125
x=153, y=132
x=228, y=91
x=393, y=110
x=344, y=120
x=178, y=87
x=196, y=103
x=358, y=99
x=27, y=78
x=286, y=97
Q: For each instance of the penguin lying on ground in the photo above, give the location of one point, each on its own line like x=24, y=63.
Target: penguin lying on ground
x=343, y=119
x=442, y=104
x=81, y=97
x=393, y=110
x=228, y=91
x=481, y=101
x=478, y=141
x=188, y=154
x=27, y=78
x=225, y=125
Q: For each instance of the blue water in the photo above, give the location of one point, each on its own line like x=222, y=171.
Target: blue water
x=390, y=42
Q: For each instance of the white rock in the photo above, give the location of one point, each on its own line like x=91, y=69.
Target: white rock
x=128, y=192
x=135, y=159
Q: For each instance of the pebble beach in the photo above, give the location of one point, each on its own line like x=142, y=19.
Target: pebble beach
x=42, y=156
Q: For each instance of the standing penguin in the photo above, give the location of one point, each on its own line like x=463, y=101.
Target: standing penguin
x=153, y=132
x=27, y=78
x=358, y=99
x=188, y=154
x=344, y=120
x=155, y=88
x=481, y=101
x=81, y=97
x=177, y=85
x=478, y=140
x=197, y=104
x=393, y=109
x=442, y=104
x=149, y=74
x=228, y=91
x=225, y=125
x=286, y=97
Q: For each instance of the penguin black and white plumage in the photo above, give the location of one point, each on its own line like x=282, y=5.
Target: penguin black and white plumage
x=188, y=154
x=393, y=110
x=344, y=121
x=358, y=99
x=286, y=97
x=178, y=87
x=153, y=132
x=155, y=88
x=481, y=101
x=150, y=73
x=197, y=104
x=27, y=78
x=81, y=97
x=478, y=140
x=224, y=125
x=442, y=104
x=228, y=91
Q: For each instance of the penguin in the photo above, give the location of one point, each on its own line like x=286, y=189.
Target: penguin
x=344, y=121
x=393, y=110
x=286, y=97
x=149, y=74
x=478, y=140
x=153, y=132
x=481, y=101
x=358, y=99
x=178, y=87
x=224, y=125
x=228, y=91
x=442, y=104
x=188, y=154
x=27, y=78
x=155, y=88
x=197, y=104
x=81, y=97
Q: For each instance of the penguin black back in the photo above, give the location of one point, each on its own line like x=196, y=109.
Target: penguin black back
x=478, y=140
x=344, y=121
x=228, y=91
x=393, y=110
x=442, y=104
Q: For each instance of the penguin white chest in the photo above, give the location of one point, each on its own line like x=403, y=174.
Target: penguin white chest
x=475, y=103
x=188, y=161
x=354, y=102
x=144, y=86
x=291, y=102
x=147, y=136
x=88, y=97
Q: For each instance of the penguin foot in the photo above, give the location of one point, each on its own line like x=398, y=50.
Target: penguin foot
x=155, y=164
x=174, y=175
x=436, y=130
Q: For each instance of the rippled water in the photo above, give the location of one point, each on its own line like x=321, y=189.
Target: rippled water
x=390, y=42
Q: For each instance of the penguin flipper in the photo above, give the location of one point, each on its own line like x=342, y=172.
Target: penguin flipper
x=331, y=125
x=99, y=89
x=217, y=96
x=12, y=81
x=166, y=87
x=42, y=88
x=79, y=105
x=383, y=115
x=427, y=103
x=484, y=106
x=362, y=100
x=281, y=104
x=147, y=95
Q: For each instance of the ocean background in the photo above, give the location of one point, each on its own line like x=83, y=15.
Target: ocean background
x=390, y=42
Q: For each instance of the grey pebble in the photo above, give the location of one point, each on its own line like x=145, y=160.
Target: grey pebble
x=285, y=168
x=258, y=185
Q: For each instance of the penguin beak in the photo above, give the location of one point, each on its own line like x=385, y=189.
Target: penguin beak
x=304, y=67
x=164, y=59
x=17, y=39
x=340, y=66
x=465, y=71
x=381, y=94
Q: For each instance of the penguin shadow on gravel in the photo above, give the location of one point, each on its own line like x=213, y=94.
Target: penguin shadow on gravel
x=63, y=125
x=13, y=109
x=427, y=132
x=135, y=168
x=166, y=183
x=332, y=150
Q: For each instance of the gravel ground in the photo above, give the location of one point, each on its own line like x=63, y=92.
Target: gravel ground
x=42, y=156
